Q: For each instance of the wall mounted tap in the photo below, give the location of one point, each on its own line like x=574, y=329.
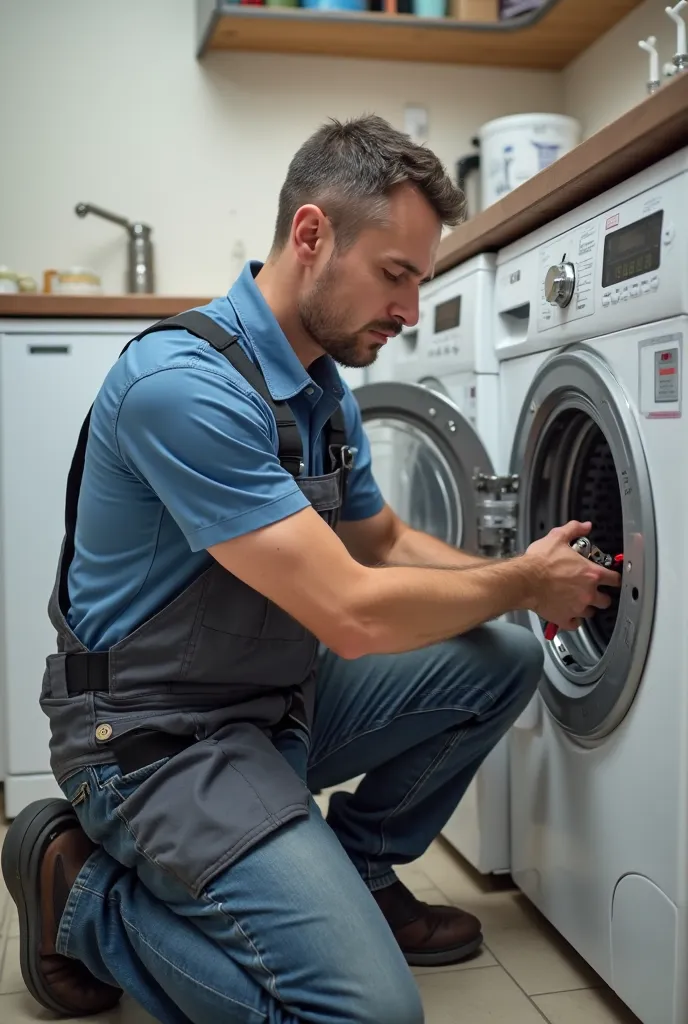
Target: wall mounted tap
x=649, y=45
x=140, y=276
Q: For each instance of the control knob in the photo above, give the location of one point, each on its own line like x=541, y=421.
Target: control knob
x=560, y=282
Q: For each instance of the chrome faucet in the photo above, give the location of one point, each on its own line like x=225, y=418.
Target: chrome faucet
x=140, y=278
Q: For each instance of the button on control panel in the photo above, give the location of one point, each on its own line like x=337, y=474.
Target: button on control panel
x=614, y=295
x=443, y=350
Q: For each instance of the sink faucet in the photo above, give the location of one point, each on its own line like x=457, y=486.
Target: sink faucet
x=140, y=253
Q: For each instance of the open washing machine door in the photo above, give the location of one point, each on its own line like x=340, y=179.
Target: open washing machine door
x=578, y=454
x=425, y=455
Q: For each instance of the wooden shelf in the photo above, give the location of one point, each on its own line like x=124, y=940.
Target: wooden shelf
x=134, y=307
x=548, y=38
x=649, y=132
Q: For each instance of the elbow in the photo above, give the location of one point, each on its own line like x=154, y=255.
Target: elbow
x=349, y=639
x=353, y=630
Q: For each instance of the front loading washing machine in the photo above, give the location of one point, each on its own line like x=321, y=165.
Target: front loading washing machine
x=432, y=423
x=590, y=327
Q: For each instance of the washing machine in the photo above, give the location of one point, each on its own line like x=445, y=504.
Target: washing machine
x=431, y=415
x=354, y=376
x=590, y=328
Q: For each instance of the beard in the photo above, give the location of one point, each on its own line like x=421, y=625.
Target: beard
x=327, y=324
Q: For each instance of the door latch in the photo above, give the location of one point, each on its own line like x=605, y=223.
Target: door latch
x=497, y=512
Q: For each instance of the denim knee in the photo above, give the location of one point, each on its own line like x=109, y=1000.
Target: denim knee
x=393, y=999
x=517, y=660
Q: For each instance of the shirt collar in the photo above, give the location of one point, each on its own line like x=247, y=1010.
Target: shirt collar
x=284, y=374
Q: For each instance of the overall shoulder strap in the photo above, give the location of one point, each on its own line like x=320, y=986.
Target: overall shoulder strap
x=290, y=451
x=201, y=326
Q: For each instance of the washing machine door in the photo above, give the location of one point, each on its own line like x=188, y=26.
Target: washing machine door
x=424, y=456
x=578, y=453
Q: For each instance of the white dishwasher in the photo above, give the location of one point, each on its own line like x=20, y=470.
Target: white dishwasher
x=50, y=373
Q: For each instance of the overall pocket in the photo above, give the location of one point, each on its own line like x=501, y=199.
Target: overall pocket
x=209, y=805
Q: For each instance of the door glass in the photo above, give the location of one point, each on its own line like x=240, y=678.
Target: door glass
x=415, y=477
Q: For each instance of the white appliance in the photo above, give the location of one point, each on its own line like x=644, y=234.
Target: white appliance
x=50, y=372
x=591, y=322
x=432, y=420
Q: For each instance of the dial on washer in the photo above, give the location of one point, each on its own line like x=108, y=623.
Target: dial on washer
x=560, y=282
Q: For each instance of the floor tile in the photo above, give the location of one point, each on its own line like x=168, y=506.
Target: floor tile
x=10, y=978
x=530, y=949
x=487, y=996
x=20, y=1008
x=587, y=1006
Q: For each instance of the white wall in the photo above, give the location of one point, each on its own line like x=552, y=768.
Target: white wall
x=611, y=76
x=106, y=103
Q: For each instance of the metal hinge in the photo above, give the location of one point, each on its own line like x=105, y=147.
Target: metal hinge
x=497, y=512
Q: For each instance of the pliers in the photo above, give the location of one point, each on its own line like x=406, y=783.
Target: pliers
x=588, y=550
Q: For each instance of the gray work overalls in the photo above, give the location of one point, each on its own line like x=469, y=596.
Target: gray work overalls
x=192, y=699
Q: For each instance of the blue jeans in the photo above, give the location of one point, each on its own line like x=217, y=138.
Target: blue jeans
x=290, y=933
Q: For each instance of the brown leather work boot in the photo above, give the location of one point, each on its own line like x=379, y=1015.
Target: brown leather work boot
x=44, y=850
x=428, y=935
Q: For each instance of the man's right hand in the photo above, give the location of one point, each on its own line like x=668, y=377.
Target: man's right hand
x=567, y=588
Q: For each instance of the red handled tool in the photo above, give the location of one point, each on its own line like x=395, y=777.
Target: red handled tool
x=588, y=550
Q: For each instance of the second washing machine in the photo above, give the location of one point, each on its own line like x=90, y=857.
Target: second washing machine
x=432, y=418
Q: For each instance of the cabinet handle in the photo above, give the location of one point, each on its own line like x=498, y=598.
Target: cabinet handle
x=49, y=350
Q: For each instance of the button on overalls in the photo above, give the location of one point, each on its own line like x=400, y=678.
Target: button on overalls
x=193, y=698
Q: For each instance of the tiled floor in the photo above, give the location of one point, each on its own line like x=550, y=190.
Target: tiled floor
x=525, y=974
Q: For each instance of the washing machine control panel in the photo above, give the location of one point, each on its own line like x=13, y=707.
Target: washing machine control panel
x=617, y=262
x=443, y=325
x=454, y=331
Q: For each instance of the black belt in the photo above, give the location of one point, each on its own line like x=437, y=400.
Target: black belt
x=87, y=670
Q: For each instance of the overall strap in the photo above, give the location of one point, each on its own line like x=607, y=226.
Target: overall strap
x=201, y=326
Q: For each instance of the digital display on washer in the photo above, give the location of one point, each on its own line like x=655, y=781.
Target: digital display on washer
x=632, y=250
x=448, y=315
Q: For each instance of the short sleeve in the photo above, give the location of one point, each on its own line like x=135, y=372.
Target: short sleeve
x=363, y=497
x=207, y=449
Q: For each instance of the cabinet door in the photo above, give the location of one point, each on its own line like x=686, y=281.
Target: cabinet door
x=47, y=384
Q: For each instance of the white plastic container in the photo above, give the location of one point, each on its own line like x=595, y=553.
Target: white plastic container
x=514, y=148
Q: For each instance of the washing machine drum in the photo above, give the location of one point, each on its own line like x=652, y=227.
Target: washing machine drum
x=579, y=480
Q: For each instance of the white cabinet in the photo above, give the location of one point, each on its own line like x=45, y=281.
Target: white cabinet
x=50, y=374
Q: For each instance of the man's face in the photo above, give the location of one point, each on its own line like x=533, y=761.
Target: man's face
x=364, y=295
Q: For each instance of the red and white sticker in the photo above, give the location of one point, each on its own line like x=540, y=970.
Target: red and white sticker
x=612, y=222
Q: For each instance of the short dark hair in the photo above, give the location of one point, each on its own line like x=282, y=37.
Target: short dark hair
x=349, y=168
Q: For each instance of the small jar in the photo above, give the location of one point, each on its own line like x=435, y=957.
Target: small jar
x=9, y=281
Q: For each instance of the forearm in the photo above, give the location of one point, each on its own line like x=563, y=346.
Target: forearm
x=401, y=609
x=413, y=547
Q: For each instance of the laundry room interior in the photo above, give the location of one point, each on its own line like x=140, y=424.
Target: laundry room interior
x=538, y=381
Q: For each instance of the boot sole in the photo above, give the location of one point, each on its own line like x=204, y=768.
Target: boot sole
x=22, y=853
x=444, y=957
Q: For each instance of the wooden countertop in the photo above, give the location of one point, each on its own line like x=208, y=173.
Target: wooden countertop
x=649, y=132
x=123, y=307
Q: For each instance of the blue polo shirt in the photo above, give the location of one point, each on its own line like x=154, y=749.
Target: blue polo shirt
x=182, y=454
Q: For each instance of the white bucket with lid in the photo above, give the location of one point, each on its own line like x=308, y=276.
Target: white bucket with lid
x=514, y=148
